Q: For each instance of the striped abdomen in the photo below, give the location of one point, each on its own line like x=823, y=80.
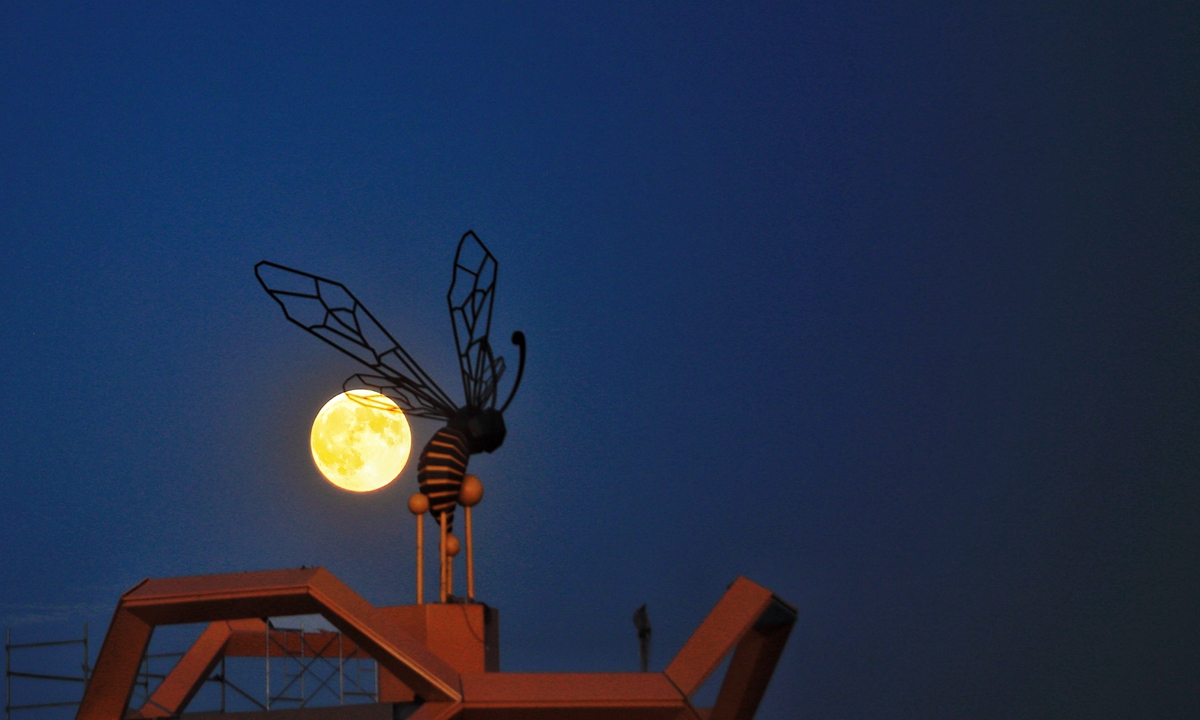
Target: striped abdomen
x=440, y=472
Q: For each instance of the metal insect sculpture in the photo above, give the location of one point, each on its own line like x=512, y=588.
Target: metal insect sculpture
x=328, y=310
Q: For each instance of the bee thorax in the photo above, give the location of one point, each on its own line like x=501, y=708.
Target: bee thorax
x=484, y=429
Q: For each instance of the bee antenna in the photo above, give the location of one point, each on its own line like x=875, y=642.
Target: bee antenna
x=518, y=339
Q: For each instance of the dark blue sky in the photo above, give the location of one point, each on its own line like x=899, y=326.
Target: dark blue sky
x=892, y=307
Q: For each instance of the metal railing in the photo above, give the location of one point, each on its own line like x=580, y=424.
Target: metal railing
x=10, y=673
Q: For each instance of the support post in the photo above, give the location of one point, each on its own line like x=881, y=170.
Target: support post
x=421, y=559
x=470, y=556
x=469, y=495
x=418, y=505
x=444, y=590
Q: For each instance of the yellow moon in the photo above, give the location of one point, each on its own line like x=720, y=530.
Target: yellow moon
x=360, y=443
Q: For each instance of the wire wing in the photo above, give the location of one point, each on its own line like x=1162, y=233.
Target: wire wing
x=472, y=292
x=328, y=310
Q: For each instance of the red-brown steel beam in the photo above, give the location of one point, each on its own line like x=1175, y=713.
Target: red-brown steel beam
x=591, y=696
x=298, y=592
x=256, y=594
x=107, y=693
x=734, y=614
x=188, y=676
x=753, y=663
x=748, y=617
x=232, y=596
x=191, y=672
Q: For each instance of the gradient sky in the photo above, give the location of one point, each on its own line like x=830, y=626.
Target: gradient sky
x=893, y=308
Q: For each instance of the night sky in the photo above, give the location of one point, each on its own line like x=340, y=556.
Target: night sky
x=893, y=308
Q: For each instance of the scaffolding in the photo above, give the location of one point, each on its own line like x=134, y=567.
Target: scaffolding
x=20, y=648
x=309, y=656
x=300, y=669
x=309, y=668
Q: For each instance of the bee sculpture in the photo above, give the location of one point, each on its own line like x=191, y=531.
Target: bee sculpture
x=328, y=310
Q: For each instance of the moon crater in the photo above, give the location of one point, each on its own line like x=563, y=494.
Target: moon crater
x=360, y=443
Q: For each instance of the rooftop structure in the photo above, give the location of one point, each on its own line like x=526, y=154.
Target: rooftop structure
x=436, y=661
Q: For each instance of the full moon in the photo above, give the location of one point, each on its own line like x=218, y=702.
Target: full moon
x=360, y=443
